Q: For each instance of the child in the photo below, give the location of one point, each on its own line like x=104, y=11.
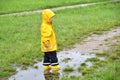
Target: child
x=48, y=43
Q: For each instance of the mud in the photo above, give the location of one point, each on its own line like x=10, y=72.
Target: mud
x=75, y=56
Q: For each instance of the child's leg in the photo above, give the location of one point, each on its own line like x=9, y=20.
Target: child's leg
x=46, y=63
x=53, y=58
x=46, y=60
x=54, y=62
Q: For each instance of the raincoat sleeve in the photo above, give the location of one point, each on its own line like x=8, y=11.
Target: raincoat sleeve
x=46, y=33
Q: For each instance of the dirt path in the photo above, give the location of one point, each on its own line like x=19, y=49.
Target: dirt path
x=56, y=8
x=75, y=56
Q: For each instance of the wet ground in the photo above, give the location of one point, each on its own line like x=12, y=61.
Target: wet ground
x=74, y=57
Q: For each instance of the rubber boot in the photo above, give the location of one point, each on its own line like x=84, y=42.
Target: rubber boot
x=47, y=69
x=55, y=69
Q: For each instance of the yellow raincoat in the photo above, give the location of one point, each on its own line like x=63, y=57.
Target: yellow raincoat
x=47, y=33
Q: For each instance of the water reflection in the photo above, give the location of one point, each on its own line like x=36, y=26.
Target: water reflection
x=52, y=77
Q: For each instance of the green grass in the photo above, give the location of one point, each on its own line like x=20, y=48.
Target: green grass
x=71, y=78
x=104, y=53
x=100, y=63
x=66, y=60
x=83, y=64
x=112, y=72
x=20, y=36
x=96, y=63
x=80, y=68
x=68, y=69
x=94, y=59
x=10, y=6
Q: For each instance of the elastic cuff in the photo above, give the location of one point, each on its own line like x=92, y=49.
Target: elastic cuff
x=54, y=64
x=46, y=64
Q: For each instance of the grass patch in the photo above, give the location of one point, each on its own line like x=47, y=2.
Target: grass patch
x=83, y=64
x=112, y=72
x=83, y=70
x=20, y=36
x=100, y=63
x=106, y=74
x=6, y=71
x=96, y=64
x=114, y=57
x=98, y=32
x=94, y=59
x=68, y=69
x=70, y=78
x=104, y=53
x=36, y=67
x=66, y=60
x=10, y=6
x=80, y=68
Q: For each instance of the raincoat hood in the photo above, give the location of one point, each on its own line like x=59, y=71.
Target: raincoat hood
x=46, y=15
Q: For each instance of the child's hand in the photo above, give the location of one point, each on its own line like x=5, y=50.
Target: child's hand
x=46, y=46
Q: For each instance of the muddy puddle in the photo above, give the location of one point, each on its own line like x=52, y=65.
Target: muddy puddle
x=73, y=57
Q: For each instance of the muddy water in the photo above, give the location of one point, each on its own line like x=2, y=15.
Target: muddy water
x=74, y=60
x=75, y=56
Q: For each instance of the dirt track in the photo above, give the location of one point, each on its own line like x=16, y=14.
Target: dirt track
x=56, y=8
